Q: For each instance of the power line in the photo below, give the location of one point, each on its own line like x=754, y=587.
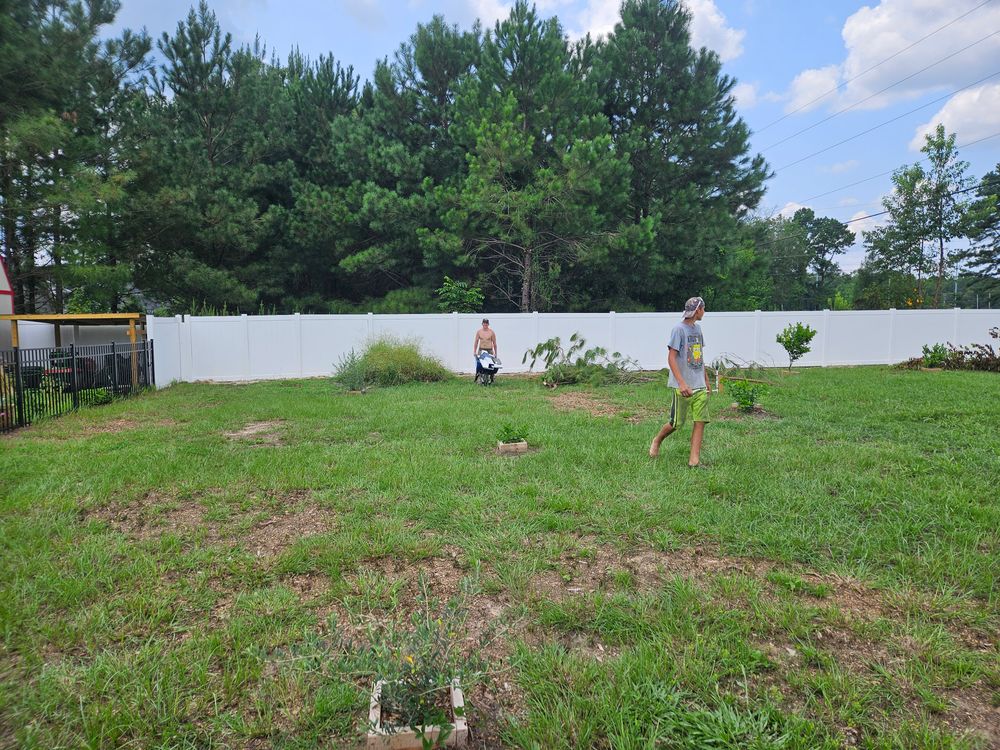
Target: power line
x=798, y=234
x=873, y=67
x=887, y=122
x=883, y=174
x=881, y=91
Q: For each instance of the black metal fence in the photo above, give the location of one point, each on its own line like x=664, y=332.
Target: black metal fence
x=46, y=382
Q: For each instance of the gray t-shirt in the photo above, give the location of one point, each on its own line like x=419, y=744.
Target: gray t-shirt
x=690, y=344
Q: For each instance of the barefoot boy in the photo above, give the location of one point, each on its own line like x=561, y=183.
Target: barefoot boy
x=688, y=379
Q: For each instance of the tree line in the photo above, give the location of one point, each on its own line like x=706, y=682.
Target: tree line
x=508, y=168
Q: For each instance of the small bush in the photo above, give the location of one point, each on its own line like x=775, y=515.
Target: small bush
x=458, y=296
x=512, y=433
x=95, y=397
x=388, y=361
x=746, y=394
x=417, y=661
x=576, y=365
x=935, y=356
x=796, y=338
x=350, y=373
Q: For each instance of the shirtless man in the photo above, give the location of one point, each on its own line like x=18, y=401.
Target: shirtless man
x=486, y=341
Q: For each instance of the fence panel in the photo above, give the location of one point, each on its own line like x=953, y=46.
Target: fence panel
x=291, y=346
x=43, y=382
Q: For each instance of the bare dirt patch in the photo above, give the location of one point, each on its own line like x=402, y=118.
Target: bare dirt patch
x=308, y=586
x=735, y=413
x=267, y=433
x=596, y=407
x=154, y=515
x=272, y=536
x=157, y=514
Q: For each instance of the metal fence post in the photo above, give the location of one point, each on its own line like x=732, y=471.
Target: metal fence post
x=74, y=384
x=114, y=367
x=150, y=366
x=18, y=389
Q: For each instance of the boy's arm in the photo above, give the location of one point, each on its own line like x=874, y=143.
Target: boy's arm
x=672, y=361
x=708, y=385
x=495, y=348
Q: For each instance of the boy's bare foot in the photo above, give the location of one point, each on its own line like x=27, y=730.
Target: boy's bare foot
x=654, y=449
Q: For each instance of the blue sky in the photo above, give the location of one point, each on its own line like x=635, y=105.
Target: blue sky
x=787, y=56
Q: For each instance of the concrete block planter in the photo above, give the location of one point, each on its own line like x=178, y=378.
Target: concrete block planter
x=381, y=737
x=520, y=446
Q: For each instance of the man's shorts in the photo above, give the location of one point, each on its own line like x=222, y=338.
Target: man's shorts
x=694, y=406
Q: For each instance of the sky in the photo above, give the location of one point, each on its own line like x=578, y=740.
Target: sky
x=835, y=92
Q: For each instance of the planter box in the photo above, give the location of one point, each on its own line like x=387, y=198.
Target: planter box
x=519, y=447
x=405, y=738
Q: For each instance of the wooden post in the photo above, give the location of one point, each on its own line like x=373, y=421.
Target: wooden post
x=13, y=334
x=135, y=362
x=58, y=335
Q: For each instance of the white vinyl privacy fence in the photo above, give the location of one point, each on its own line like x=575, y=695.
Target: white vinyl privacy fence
x=292, y=346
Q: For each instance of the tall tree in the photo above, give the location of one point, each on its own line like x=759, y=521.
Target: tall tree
x=58, y=133
x=947, y=207
x=983, y=257
x=902, y=245
x=826, y=238
x=546, y=188
x=672, y=111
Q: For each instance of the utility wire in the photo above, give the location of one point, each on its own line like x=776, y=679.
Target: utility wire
x=873, y=67
x=798, y=234
x=877, y=93
x=887, y=122
x=883, y=174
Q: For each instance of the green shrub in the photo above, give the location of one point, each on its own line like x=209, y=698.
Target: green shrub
x=350, y=373
x=512, y=433
x=795, y=338
x=935, y=356
x=390, y=361
x=95, y=397
x=417, y=661
x=576, y=365
x=746, y=394
x=458, y=296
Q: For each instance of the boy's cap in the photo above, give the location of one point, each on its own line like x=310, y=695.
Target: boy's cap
x=691, y=306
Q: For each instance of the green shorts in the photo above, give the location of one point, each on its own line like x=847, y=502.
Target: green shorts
x=694, y=406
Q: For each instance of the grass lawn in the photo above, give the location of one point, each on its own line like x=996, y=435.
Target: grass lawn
x=175, y=568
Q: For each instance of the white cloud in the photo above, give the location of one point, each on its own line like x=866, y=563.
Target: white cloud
x=971, y=114
x=490, y=11
x=812, y=87
x=368, y=13
x=746, y=95
x=709, y=29
x=866, y=224
x=841, y=167
x=847, y=202
x=598, y=19
x=790, y=208
x=877, y=32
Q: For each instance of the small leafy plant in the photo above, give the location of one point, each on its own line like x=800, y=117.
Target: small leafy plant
x=419, y=660
x=350, y=373
x=746, y=394
x=576, y=364
x=935, y=356
x=458, y=296
x=796, y=339
x=512, y=433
